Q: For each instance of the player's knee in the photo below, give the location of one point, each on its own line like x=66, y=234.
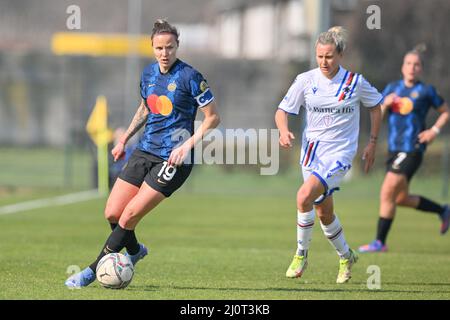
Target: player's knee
x=401, y=199
x=129, y=218
x=304, y=200
x=130, y=213
x=111, y=214
x=387, y=193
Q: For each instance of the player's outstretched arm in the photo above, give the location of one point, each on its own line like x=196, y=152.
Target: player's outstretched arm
x=138, y=121
x=281, y=121
x=369, y=150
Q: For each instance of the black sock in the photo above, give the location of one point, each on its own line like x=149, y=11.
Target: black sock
x=429, y=206
x=132, y=245
x=383, y=229
x=118, y=239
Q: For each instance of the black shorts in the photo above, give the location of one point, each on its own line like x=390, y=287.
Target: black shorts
x=405, y=163
x=143, y=166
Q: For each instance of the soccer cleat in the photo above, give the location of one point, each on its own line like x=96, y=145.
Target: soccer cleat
x=445, y=217
x=143, y=251
x=81, y=279
x=345, y=267
x=297, y=267
x=374, y=246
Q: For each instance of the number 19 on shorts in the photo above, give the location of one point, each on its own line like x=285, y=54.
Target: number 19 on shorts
x=167, y=172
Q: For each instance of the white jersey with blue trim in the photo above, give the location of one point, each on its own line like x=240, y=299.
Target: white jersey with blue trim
x=332, y=107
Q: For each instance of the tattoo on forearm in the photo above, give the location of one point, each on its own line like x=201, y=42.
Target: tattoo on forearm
x=138, y=121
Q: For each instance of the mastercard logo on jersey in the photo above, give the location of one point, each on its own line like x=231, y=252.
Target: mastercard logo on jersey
x=160, y=104
x=403, y=106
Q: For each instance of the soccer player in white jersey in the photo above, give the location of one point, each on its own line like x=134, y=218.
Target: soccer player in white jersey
x=331, y=96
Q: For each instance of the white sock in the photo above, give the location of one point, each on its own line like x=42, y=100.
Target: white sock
x=305, y=224
x=335, y=235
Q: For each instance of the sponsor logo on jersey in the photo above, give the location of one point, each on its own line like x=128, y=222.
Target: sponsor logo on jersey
x=402, y=106
x=332, y=110
x=172, y=87
x=159, y=104
x=414, y=94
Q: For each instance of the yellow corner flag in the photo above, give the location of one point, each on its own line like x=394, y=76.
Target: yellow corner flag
x=97, y=127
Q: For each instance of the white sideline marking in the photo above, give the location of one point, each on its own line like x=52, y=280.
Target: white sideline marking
x=49, y=202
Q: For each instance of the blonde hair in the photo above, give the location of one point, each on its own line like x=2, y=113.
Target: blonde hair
x=336, y=35
x=163, y=26
x=419, y=50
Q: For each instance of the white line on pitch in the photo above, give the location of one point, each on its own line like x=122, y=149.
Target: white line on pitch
x=49, y=202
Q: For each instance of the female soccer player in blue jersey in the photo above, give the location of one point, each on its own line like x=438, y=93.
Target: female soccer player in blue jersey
x=407, y=103
x=172, y=92
x=331, y=97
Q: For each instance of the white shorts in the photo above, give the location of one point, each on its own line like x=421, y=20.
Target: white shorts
x=319, y=159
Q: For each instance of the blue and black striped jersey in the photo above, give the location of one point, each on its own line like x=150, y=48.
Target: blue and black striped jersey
x=408, y=113
x=172, y=99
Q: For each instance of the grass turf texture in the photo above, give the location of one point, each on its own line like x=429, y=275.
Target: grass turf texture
x=229, y=237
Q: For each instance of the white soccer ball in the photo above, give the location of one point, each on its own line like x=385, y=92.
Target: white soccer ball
x=115, y=271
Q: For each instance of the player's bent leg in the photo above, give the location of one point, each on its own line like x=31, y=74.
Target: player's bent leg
x=394, y=188
x=325, y=211
x=307, y=193
x=334, y=232
x=121, y=194
x=425, y=205
x=81, y=279
x=406, y=200
x=145, y=200
x=393, y=185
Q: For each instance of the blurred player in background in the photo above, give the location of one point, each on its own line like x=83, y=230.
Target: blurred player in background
x=172, y=92
x=331, y=96
x=407, y=103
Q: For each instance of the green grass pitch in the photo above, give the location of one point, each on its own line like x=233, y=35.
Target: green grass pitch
x=228, y=237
